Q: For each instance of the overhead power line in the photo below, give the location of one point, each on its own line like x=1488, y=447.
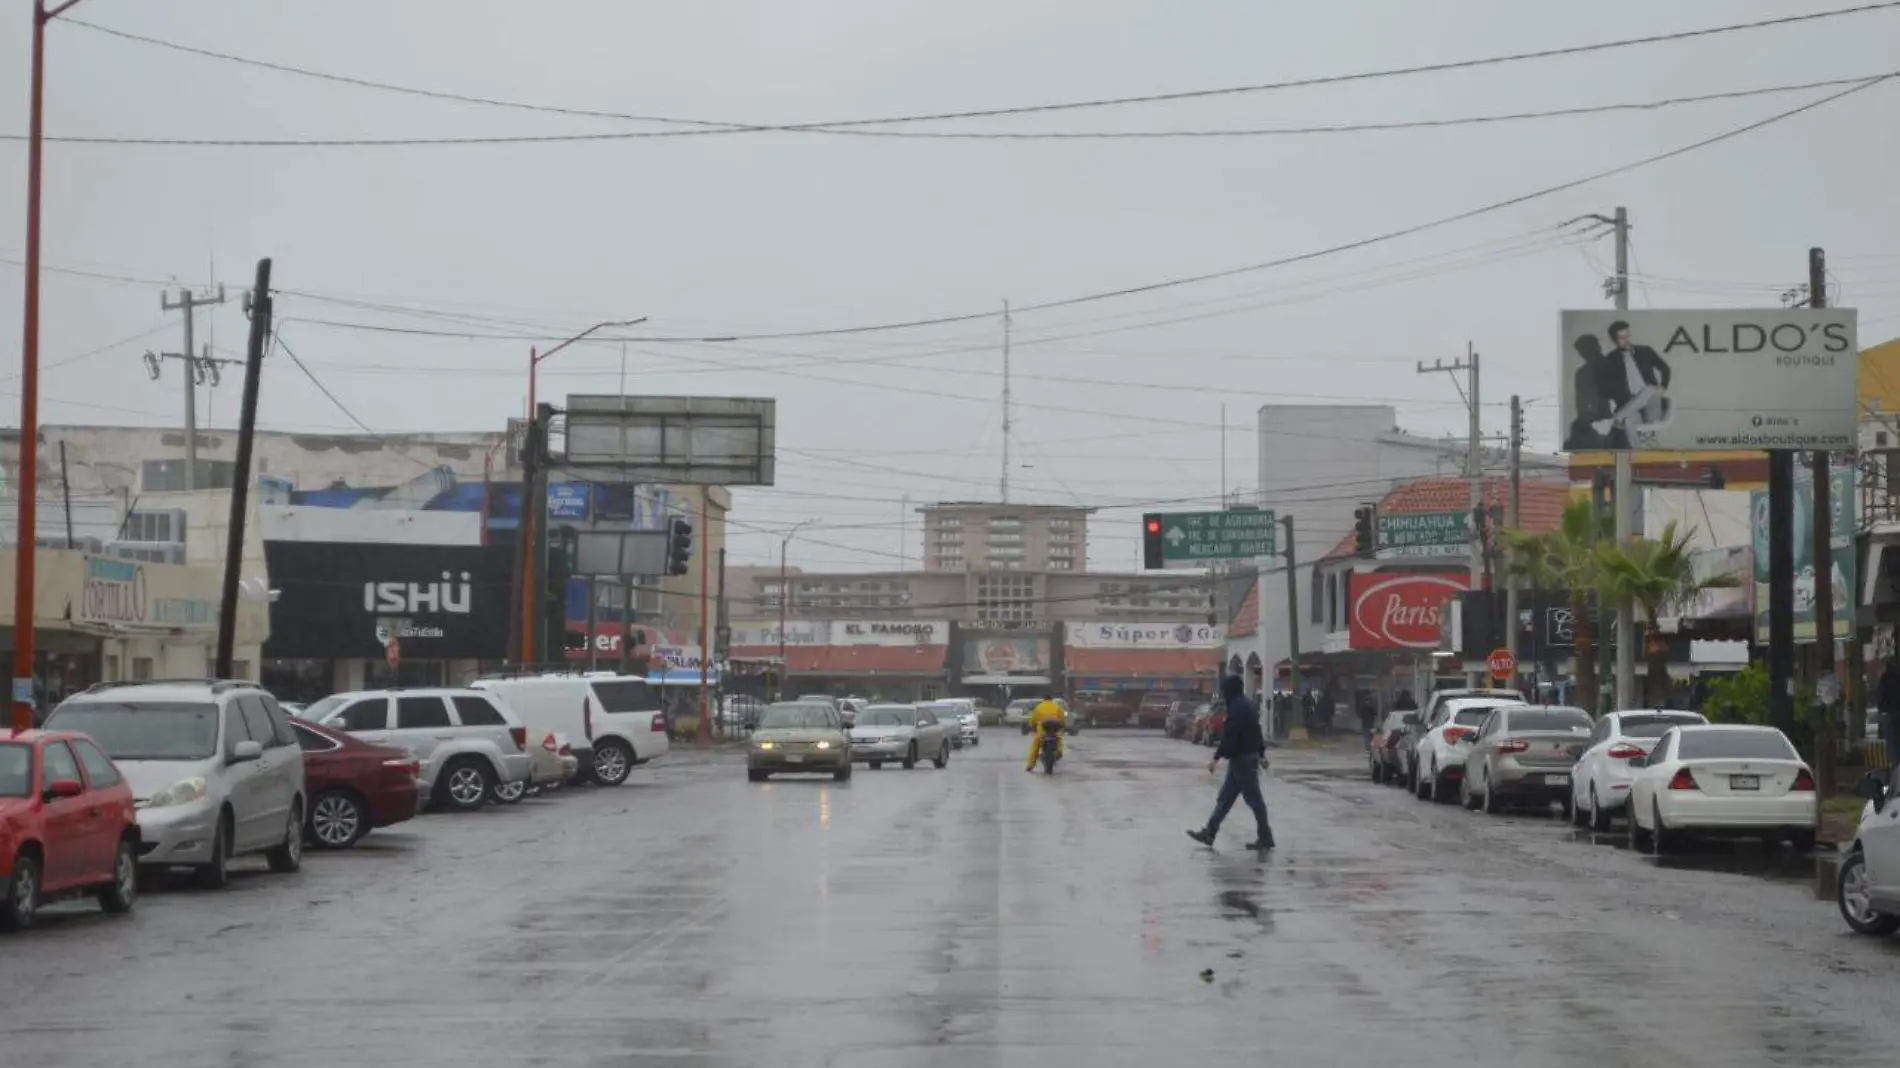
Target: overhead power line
x=957, y=135
x=845, y=125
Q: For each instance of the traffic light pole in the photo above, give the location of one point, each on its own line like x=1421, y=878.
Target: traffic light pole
x=705, y=634
x=1292, y=619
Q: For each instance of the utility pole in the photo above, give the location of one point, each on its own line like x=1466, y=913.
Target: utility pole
x=260, y=307
x=1474, y=457
x=1823, y=542
x=189, y=302
x=1292, y=618
x=625, y=626
x=593, y=623
x=1624, y=500
x=705, y=621
x=1517, y=488
x=1005, y=485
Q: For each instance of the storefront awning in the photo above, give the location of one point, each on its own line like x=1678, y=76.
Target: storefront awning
x=1005, y=680
x=922, y=661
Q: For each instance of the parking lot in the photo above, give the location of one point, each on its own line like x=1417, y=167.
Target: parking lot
x=971, y=915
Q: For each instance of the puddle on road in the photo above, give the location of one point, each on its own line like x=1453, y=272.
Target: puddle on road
x=1741, y=856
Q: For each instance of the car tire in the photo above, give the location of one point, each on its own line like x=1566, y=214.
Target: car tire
x=508, y=793
x=910, y=757
x=216, y=874
x=1599, y=816
x=1801, y=842
x=119, y=895
x=1660, y=841
x=1376, y=770
x=1578, y=817
x=1853, y=879
x=1440, y=792
x=465, y=784
x=21, y=906
x=612, y=763
x=287, y=856
x=1466, y=798
x=842, y=774
x=338, y=820
x=755, y=775
x=1421, y=785
x=943, y=756
x=1493, y=804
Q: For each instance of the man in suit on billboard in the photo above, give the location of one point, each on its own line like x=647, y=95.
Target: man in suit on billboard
x=1635, y=375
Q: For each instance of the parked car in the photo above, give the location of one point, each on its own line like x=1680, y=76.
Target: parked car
x=1867, y=888
x=555, y=764
x=1435, y=761
x=899, y=733
x=1387, y=740
x=1523, y=754
x=1016, y=713
x=740, y=712
x=1210, y=722
x=960, y=712
x=1180, y=718
x=1152, y=711
x=799, y=737
x=214, y=767
x=354, y=786
x=615, y=723
x=468, y=743
x=1600, y=784
x=1722, y=779
x=68, y=827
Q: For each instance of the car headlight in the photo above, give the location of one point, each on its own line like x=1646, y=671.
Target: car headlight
x=822, y=745
x=182, y=792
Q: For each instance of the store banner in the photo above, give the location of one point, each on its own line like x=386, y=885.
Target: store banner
x=799, y=632
x=1400, y=610
x=890, y=633
x=1144, y=636
x=343, y=601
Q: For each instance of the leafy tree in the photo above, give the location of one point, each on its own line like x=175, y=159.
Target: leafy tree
x=1566, y=559
x=1657, y=576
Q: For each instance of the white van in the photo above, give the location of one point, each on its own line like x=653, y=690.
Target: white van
x=614, y=721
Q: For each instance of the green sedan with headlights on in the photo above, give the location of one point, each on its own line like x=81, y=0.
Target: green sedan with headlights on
x=799, y=737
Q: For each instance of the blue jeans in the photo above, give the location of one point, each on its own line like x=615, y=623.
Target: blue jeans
x=1243, y=781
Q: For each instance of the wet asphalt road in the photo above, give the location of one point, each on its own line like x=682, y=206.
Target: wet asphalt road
x=973, y=916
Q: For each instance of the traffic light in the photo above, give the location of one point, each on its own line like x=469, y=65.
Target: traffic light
x=1151, y=542
x=679, y=547
x=1364, y=518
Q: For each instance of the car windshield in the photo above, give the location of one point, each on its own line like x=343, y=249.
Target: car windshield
x=886, y=717
x=145, y=730
x=1654, y=726
x=315, y=711
x=1470, y=717
x=798, y=717
x=1554, y=719
x=16, y=770
x=1734, y=745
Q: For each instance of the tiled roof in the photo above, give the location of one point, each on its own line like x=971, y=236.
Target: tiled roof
x=1247, y=619
x=1540, y=503
x=1140, y=663
x=851, y=659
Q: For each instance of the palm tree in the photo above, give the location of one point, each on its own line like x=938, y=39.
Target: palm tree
x=1566, y=559
x=1656, y=575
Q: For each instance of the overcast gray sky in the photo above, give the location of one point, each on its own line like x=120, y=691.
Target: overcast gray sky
x=1118, y=400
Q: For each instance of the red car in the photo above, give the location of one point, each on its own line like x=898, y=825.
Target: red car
x=67, y=826
x=353, y=786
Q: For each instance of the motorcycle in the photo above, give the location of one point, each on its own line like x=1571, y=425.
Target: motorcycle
x=1046, y=751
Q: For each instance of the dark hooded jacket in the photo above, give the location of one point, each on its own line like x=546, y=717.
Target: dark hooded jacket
x=1241, y=737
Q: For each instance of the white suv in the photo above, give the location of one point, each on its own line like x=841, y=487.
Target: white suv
x=214, y=766
x=613, y=722
x=472, y=749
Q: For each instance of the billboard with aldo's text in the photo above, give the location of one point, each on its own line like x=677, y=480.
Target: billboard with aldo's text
x=1774, y=378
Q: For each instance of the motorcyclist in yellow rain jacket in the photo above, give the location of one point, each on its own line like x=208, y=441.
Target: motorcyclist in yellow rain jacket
x=1046, y=711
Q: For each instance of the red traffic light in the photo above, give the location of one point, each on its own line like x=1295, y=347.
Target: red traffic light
x=1154, y=526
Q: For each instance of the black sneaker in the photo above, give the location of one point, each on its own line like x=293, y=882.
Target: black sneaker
x=1202, y=836
x=1262, y=844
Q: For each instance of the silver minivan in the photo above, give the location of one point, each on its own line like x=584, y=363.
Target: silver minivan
x=473, y=748
x=214, y=766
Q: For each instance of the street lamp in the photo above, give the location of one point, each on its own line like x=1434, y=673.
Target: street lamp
x=22, y=718
x=785, y=594
x=526, y=554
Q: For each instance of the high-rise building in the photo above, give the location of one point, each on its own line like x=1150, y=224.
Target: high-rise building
x=974, y=536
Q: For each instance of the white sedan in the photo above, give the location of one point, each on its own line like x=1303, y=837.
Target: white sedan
x=1600, y=785
x=1723, y=779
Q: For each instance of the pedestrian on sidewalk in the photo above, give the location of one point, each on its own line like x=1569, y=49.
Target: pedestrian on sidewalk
x=1244, y=748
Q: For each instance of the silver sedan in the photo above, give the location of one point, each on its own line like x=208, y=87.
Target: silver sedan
x=900, y=734
x=1523, y=753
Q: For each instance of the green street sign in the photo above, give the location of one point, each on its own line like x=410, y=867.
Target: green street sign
x=1190, y=539
x=1423, y=534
